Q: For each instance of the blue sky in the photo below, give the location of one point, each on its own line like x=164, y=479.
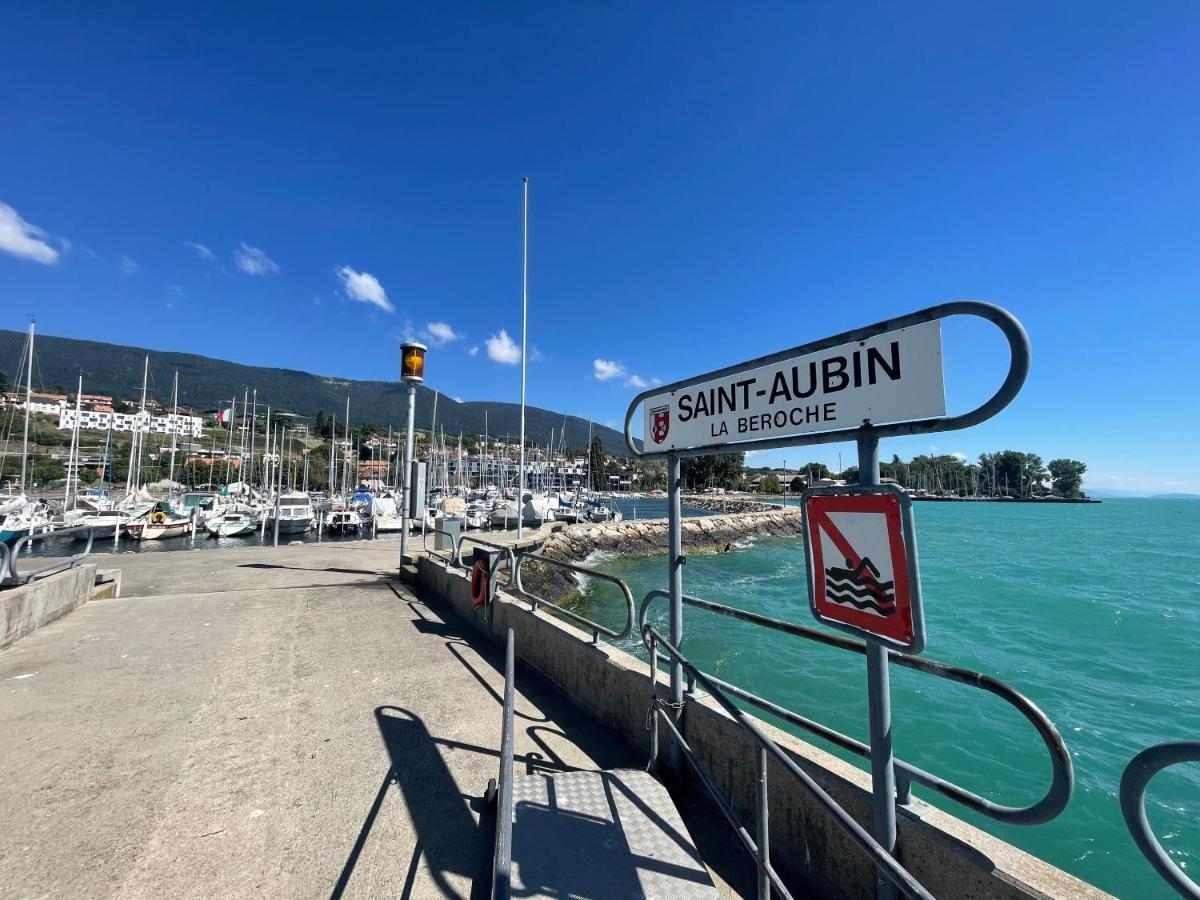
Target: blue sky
x=300, y=186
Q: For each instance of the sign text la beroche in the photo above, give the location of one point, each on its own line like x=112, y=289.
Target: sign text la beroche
x=891, y=377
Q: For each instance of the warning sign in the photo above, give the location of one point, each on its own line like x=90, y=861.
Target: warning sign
x=862, y=563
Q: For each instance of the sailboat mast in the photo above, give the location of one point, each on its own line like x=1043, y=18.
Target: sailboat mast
x=229, y=447
x=524, y=310
x=175, y=428
x=73, y=456
x=28, y=399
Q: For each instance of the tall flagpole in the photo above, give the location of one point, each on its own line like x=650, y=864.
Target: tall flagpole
x=524, y=311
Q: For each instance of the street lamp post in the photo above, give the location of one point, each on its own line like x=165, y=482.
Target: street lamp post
x=412, y=373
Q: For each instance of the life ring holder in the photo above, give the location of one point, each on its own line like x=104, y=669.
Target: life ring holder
x=480, y=580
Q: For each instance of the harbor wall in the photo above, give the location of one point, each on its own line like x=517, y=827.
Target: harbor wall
x=948, y=856
x=740, y=521
x=30, y=606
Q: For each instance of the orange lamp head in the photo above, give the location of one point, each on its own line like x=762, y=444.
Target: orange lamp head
x=412, y=362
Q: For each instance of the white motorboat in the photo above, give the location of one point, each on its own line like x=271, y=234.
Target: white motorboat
x=238, y=521
x=343, y=521
x=295, y=513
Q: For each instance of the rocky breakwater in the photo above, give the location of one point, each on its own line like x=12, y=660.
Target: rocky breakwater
x=701, y=534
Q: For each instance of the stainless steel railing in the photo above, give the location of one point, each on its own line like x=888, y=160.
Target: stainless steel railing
x=596, y=628
x=515, y=561
x=759, y=844
x=452, y=559
x=1062, y=780
x=58, y=565
x=505, y=549
x=1141, y=769
x=502, y=858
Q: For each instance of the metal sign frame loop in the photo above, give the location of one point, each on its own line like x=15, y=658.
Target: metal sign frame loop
x=1018, y=369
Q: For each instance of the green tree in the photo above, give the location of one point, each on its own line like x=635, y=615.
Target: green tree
x=770, y=484
x=88, y=476
x=323, y=427
x=1067, y=475
x=596, y=465
x=719, y=470
x=797, y=484
x=815, y=471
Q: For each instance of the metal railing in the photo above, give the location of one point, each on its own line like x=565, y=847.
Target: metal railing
x=453, y=558
x=516, y=559
x=759, y=845
x=1141, y=769
x=5, y=554
x=60, y=565
x=595, y=627
x=1063, y=776
x=502, y=858
x=505, y=549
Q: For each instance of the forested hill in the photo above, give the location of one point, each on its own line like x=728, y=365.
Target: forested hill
x=207, y=384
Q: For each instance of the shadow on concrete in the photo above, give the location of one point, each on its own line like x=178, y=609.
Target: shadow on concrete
x=447, y=835
x=337, y=569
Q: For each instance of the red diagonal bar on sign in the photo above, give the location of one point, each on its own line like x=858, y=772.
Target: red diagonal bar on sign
x=839, y=539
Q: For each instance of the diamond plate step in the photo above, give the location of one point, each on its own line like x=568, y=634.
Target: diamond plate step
x=613, y=834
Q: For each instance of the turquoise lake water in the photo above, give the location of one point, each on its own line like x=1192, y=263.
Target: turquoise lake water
x=1093, y=612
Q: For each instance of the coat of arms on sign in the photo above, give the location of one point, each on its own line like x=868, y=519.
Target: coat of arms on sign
x=660, y=423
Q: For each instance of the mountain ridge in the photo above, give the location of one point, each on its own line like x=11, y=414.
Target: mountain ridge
x=206, y=383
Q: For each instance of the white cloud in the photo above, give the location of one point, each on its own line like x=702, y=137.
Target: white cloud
x=202, y=251
x=474, y=351
x=656, y=381
x=174, y=295
x=605, y=369
x=960, y=456
x=364, y=287
x=127, y=265
x=637, y=381
x=253, y=261
x=439, y=333
x=20, y=238
x=457, y=399
x=503, y=349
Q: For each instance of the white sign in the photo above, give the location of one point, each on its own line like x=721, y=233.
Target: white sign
x=891, y=377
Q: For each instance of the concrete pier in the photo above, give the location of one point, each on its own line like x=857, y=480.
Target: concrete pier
x=284, y=722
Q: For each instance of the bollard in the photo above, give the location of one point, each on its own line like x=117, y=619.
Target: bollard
x=320, y=524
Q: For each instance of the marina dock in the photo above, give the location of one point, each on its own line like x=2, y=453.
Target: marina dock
x=270, y=723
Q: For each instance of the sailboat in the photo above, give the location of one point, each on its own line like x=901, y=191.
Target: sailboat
x=20, y=516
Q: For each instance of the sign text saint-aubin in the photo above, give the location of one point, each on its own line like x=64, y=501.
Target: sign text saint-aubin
x=891, y=377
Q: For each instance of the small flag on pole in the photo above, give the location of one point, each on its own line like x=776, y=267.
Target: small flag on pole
x=224, y=415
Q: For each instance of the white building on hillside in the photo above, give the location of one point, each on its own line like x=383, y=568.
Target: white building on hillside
x=186, y=426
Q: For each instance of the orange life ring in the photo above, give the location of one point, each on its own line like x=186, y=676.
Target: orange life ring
x=479, y=583
x=158, y=518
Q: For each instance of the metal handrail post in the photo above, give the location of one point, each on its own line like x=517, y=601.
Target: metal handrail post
x=764, y=828
x=675, y=563
x=879, y=706
x=502, y=860
x=1134, y=781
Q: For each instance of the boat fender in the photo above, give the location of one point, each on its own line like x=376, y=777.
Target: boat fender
x=479, y=583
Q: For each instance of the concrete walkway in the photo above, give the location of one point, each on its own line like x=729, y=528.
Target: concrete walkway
x=279, y=723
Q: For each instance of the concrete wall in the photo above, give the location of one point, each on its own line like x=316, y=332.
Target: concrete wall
x=952, y=859
x=22, y=609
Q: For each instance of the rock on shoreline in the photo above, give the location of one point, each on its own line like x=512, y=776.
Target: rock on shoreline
x=576, y=543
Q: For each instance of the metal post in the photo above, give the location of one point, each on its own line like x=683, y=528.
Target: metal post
x=675, y=562
x=408, y=458
x=524, y=312
x=879, y=707
x=764, y=833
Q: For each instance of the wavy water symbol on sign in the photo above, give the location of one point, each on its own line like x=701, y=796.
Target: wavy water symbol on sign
x=859, y=586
